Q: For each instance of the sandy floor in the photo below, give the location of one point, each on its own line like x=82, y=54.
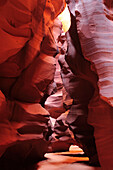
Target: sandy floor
x=70, y=160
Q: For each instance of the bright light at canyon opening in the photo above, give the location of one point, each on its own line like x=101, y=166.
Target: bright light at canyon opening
x=64, y=17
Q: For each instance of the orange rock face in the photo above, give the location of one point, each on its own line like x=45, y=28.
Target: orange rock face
x=27, y=67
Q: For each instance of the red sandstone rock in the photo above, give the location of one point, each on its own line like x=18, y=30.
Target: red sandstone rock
x=26, y=69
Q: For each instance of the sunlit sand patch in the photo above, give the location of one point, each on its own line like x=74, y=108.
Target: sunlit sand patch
x=63, y=160
x=68, y=156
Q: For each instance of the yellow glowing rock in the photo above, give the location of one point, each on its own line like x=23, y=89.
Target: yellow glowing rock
x=64, y=17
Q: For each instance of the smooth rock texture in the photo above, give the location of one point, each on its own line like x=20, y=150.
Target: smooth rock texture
x=95, y=30
x=27, y=66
